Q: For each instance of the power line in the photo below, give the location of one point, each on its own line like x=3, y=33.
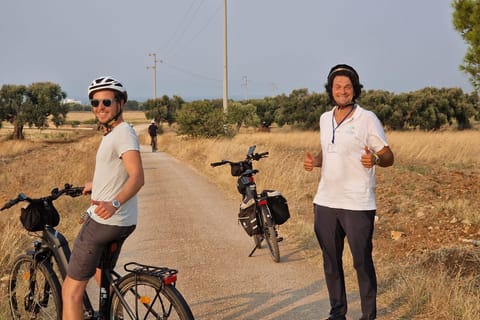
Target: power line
x=209, y=20
x=183, y=70
x=168, y=50
x=168, y=43
x=244, y=83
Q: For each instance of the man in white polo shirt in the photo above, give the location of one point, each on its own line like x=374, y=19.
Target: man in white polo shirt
x=352, y=142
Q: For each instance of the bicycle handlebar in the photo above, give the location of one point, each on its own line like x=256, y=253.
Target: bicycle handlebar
x=68, y=189
x=258, y=156
x=220, y=163
x=250, y=156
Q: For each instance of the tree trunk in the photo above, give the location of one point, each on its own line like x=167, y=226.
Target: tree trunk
x=18, y=132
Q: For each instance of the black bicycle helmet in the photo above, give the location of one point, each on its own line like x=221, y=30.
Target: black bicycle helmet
x=107, y=82
x=344, y=70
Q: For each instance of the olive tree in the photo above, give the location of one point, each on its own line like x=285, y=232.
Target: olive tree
x=242, y=114
x=466, y=20
x=32, y=106
x=201, y=119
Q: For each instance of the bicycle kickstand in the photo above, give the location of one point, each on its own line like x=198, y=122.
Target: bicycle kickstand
x=251, y=253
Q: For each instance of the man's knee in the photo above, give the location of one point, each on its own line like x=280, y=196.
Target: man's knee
x=73, y=290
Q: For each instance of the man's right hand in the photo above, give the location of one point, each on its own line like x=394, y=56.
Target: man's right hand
x=308, y=161
x=87, y=189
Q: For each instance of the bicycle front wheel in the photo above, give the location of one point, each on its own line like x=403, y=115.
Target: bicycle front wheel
x=257, y=238
x=270, y=233
x=33, y=290
x=148, y=298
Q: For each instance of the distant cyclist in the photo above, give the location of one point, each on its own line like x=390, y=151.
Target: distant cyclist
x=153, y=131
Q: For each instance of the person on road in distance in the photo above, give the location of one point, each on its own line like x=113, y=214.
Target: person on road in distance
x=352, y=143
x=118, y=177
x=153, y=131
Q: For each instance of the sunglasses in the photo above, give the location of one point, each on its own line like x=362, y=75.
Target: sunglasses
x=106, y=102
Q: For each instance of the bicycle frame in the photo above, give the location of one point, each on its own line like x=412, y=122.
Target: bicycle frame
x=107, y=283
x=260, y=201
x=54, y=244
x=251, y=193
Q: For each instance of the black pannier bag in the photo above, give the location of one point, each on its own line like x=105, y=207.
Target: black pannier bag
x=37, y=215
x=247, y=217
x=278, y=206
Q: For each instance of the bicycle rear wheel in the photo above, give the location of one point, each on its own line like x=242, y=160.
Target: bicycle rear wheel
x=270, y=233
x=34, y=293
x=148, y=298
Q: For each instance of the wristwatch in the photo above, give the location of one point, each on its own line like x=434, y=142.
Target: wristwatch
x=116, y=203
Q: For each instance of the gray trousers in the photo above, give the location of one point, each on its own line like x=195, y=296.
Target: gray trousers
x=331, y=228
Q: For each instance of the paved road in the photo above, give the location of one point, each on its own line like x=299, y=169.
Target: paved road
x=187, y=223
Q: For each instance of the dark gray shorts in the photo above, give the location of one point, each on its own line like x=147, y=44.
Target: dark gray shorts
x=90, y=244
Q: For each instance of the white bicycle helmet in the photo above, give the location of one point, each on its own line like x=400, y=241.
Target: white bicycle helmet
x=106, y=82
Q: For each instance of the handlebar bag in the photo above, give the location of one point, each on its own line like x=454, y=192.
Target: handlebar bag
x=247, y=217
x=237, y=168
x=278, y=205
x=37, y=215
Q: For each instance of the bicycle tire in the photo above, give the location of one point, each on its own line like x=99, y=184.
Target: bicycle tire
x=158, y=301
x=46, y=300
x=270, y=234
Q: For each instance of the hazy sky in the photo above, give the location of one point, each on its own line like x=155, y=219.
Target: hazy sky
x=274, y=46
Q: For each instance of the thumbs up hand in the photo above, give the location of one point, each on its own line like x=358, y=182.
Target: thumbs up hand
x=368, y=159
x=308, y=161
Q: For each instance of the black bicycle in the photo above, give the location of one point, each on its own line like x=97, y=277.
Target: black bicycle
x=34, y=290
x=153, y=143
x=260, y=213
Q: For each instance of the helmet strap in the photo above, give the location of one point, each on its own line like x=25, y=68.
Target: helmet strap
x=341, y=107
x=108, y=126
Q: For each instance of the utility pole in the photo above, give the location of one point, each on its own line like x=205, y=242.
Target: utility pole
x=245, y=86
x=274, y=88
x=225, y=66
x=154, y=67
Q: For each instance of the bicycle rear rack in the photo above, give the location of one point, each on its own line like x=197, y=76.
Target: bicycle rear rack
x=167, y=275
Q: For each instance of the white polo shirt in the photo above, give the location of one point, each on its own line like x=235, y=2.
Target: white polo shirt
x=345, y=183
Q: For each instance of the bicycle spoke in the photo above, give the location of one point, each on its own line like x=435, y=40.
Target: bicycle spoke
x=33, y=293
x=149, y=298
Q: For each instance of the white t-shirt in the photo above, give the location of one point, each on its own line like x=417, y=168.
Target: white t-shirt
x=110, y=175
x=345, y=183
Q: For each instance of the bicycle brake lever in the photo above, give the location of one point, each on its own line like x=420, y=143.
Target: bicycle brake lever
x=9, y=204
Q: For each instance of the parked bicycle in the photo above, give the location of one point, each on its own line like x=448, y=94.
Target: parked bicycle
x=34, y=291
x=260, y=213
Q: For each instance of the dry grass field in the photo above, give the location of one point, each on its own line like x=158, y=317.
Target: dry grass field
x=430, y=197
x=85, y=116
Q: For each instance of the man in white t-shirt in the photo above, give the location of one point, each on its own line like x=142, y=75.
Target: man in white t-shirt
x=118, y=177
x=352, y=143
